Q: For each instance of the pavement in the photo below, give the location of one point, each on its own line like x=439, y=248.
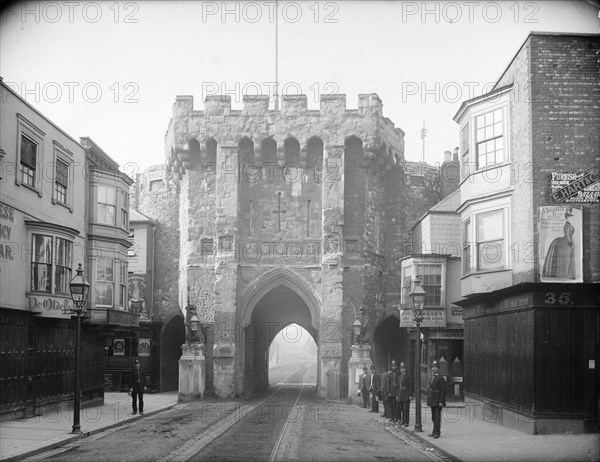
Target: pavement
x=24, y=438
x=463, y=438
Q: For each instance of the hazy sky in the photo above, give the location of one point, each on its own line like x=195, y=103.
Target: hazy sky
x=111, y=70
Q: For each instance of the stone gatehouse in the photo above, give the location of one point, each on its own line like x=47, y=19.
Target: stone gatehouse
x=271, y=217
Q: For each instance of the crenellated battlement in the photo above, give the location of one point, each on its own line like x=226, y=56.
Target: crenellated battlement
x=333, y=123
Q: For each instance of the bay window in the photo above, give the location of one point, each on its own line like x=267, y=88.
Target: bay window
x=51, y=264
x=489, y=138
x=107, y=204
x=104, y=282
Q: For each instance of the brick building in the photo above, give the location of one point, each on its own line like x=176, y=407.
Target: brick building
x=531, y=250
x=270, y=217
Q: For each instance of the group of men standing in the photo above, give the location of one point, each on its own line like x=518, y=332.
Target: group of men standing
x=396, y=388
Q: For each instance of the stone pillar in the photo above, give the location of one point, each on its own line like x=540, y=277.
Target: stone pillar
x=192, y=372
x=227, y=331
x=361, y=357
x=331, y=328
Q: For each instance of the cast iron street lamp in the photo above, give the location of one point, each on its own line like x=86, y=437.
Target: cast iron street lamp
x=79, y=288
x=417, y=297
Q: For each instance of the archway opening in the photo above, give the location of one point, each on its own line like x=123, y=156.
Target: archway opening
x=272, y=315
x=292, y=349
x=391, y=342
x=171, y=339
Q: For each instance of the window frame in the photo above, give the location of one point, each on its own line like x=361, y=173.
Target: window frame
x=28, y=130
x=503, y=264
x=467, y=243
x=124, y=216
x=123, y=285
x=426, y=286
x=100, y=186
x=53, y=265
x=487, y=139
x=104, y=282
x=64, y=156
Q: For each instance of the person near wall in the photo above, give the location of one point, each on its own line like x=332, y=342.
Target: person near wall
x=392, y=392
x=374, y=385
x=137, y=386
x=363, y=386
x=436, y=398
x=405, y=391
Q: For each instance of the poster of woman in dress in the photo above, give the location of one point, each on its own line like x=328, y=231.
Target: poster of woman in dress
x=561, y=252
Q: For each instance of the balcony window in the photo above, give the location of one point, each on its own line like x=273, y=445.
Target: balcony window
x=489, y=138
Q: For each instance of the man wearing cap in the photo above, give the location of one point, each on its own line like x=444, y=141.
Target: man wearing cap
x=436, y=398
x=137, y=386
x=405, y=391
x=363, y=386
x=374, y=385
x=392, y=392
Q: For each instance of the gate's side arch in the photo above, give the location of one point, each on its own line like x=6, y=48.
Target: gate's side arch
x=263, y=306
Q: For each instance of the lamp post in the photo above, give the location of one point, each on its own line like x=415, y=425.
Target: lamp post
x=417, y=297
x=79, y=288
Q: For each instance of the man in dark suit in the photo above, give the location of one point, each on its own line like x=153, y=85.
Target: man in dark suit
x=392, y=392
x=436, y=398
x=363, y=386
x=374, y=385
x=137, y=386
x=406, y=389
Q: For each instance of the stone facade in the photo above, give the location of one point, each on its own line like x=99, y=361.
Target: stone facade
x=272, y=217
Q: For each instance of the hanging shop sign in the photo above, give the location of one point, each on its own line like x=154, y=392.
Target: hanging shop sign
x=575, y=187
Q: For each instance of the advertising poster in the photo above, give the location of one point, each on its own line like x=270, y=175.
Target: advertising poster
x=144, y=347
x=560, y=244
x=119, y=347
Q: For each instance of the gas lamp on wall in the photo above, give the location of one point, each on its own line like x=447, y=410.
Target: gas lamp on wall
x=357, y=328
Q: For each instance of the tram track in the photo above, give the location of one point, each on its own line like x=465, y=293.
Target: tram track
x=244, y=434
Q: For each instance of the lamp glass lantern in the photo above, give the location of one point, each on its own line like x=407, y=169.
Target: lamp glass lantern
x=79, y=288
x=417, y=295
x=194, y=322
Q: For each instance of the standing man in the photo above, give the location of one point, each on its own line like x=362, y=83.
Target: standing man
x=374, y=385
x=436, y=398
x=406, y=389
x=363, y=386
x=137, y=386
x=392, y=392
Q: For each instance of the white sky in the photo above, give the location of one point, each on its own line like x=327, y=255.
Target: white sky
x=133, y=58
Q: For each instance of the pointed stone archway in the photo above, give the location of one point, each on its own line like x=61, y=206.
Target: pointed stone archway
x=269, y=304
x=390, y=341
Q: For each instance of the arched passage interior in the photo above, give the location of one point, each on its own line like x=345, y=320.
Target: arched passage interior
x=391, y=342
x=292, y=347
x=172, y=337
x=276, y=309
